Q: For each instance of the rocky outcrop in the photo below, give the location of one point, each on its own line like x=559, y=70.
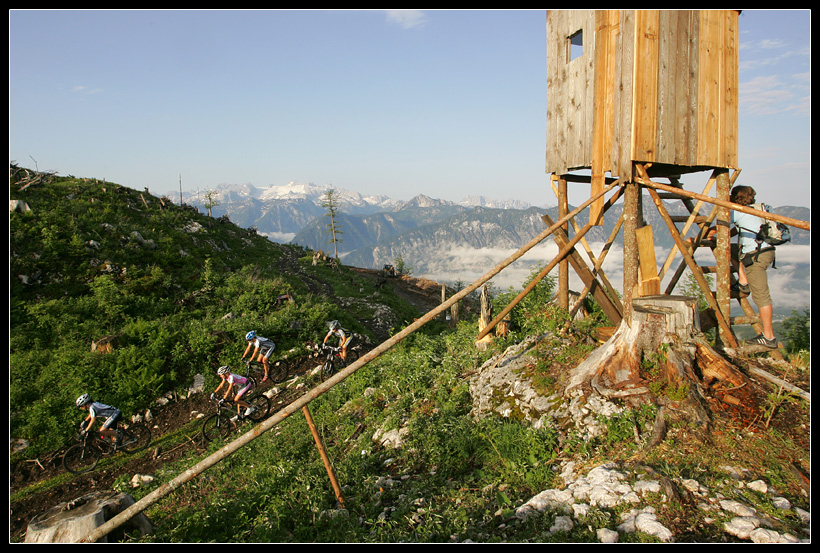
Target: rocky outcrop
x=594, y=499
x=503, y=387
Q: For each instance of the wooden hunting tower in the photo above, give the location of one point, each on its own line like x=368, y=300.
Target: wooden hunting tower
x=640, y=94
x=634, y=96
x=647, y=86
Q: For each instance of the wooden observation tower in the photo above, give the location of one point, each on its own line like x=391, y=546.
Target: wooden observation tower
x=636, y=101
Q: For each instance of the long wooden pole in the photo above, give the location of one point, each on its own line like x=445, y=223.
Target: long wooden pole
x=696, y=272
x=319, y=390
x=797, y=223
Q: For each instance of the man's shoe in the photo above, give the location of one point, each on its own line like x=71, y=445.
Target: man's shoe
x=761, y=340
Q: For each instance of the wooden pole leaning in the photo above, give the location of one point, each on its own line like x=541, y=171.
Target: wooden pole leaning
x=323, y=454
x=319, y=390
x=696, y=272
x=797, y=223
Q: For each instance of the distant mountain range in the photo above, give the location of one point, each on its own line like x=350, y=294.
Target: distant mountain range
x=283, y=212
x=438, y=239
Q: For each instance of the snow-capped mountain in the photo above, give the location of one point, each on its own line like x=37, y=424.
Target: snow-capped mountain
x=483, y=201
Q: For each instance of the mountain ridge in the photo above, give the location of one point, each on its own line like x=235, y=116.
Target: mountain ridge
x=444, y=240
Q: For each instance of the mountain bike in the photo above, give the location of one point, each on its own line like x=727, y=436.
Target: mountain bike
x=334, y=362
x=220, y=424
x=278, y=370
x=91, y=446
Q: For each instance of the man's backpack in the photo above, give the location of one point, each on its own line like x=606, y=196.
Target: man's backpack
x=771, y=232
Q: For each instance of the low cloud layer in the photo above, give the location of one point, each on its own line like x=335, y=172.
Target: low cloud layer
x=790, y=282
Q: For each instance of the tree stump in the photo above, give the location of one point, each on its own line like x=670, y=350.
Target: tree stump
x=73, y=521
x=658, y=356
x=485, y=318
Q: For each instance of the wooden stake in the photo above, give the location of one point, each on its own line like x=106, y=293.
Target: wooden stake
x=325, y=459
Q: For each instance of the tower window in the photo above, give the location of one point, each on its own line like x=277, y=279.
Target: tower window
x=576, y=45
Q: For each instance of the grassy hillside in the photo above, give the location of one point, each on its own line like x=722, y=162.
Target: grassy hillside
x=177, y=290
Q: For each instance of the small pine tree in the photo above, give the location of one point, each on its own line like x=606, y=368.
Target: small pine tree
x=401, y=267
x=333, y=226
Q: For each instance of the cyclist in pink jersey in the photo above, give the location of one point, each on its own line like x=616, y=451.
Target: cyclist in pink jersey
x=231, y=381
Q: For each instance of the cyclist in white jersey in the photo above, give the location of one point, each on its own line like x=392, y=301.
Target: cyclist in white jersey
x=344, y=336
x=96, y=410
x=262, y=348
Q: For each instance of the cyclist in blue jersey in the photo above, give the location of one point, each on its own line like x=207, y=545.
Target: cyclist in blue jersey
x=96, y=410
x=262, y=349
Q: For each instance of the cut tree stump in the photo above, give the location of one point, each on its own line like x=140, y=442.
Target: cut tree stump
x=660, y=357
x=73, y=521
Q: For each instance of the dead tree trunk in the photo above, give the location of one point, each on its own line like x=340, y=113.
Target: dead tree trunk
x=485, y=318
x=660, y=356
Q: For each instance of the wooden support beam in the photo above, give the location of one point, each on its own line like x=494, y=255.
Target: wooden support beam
x=693, y=218
x=695, y=244
x=560, y=191
x=538, y=278
x=797, y=223
x=690, y=261
x=597, y=271
x=611, y=306
x=722, y=250
x=649, y=284
x=606, y=206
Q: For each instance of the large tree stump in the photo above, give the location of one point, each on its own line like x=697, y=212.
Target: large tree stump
x=658, y=356
x=73, y=521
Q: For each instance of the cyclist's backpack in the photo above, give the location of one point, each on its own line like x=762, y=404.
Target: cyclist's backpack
x=771, y=233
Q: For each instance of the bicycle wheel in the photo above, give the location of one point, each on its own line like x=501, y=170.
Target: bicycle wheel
x=216, y=427
x=279, y=370
x=80, y=458
x=135, y=438
x=262, y=404
x=328, y=370
x=352, y=355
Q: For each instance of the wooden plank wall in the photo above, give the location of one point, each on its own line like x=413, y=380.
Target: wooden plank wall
x=718, y=88
x=665, y=93
x=569, y=91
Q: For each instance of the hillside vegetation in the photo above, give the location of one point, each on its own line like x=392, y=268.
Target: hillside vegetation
x=178, y=291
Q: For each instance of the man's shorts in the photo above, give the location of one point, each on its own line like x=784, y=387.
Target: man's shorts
x=757, y=277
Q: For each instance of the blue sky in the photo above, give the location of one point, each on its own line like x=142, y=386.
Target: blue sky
x=442, y=103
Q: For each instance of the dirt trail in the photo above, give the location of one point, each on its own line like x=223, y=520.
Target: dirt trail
x=166, y=419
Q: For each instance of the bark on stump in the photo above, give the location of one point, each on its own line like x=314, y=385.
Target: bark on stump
x=659, y=356
x=73, y=521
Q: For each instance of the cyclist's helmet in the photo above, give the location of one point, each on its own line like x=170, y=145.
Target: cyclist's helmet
x=333, y=325
x=83, y=400
x=250, y=335
x=224, y=369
